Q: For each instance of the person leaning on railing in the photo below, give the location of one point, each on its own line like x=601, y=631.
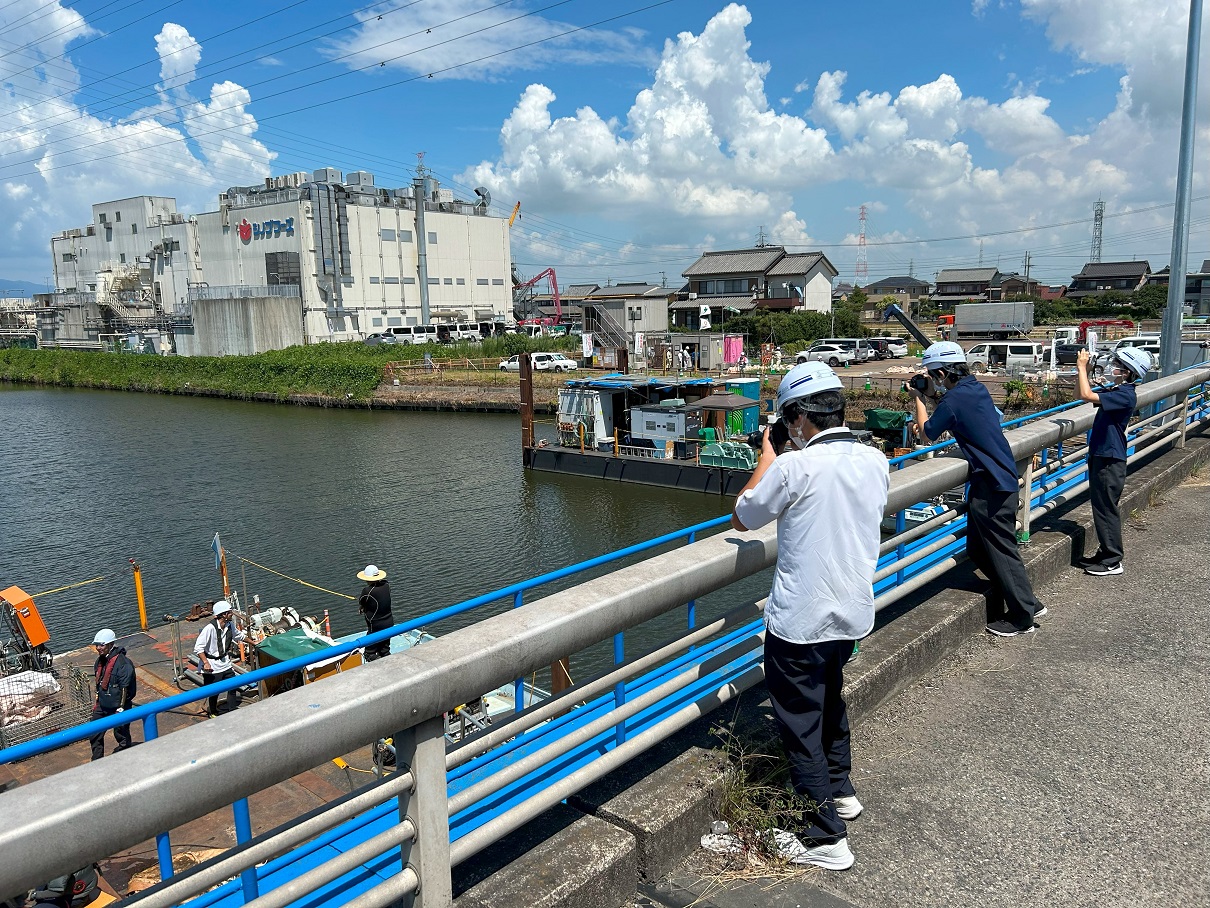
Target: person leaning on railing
x=964, y=408
x=828, y=494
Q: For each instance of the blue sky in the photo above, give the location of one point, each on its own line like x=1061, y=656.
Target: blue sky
x=634, y=134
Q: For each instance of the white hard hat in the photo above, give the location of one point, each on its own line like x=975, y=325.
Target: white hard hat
x=943, y=353
x=805, y=380
x=221, y=607
x=1136, y=360
x=104, y=635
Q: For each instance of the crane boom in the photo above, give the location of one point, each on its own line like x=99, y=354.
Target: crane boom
x=512, y=217
x=893, y=311
x=549, y=274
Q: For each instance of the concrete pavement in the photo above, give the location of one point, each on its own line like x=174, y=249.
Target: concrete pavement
x=1069, y=767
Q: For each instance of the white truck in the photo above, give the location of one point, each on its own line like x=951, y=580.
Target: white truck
x=999, y=321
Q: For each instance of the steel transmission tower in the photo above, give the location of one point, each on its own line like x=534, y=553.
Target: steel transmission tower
x=862, y=271
x=1098, y=226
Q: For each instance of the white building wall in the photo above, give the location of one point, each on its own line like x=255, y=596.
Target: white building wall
x=468, y=265
x=817, y=294
x=143, y=232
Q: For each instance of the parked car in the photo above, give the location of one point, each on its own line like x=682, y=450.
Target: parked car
x=1065, y=354
x=832, y=354
x=542, y=362
x=887, y=347
x=375, y=340
x=1152, y=346
x=861, y=350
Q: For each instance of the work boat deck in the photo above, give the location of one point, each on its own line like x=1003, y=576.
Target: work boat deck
x=153, y=655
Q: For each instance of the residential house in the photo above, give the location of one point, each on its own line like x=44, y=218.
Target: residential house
x=614, y=314
x=1052, y=291
x=1098, y=277
x=1014, y=285
x=905, y=291
x=766, y=277
x=966, y=285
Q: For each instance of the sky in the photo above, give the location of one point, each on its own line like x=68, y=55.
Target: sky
x=635, y=133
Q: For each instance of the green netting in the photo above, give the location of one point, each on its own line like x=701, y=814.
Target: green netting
x=885, y=419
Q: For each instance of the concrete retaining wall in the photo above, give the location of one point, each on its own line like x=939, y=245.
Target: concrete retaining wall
x=246, y=325
x=639, y=823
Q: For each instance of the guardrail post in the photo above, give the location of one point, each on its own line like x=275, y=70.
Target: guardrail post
x=243, y=833
x=1026, y=501
x=421, y=750
x=163, y=845
x=1180, y=442
x=519, y=684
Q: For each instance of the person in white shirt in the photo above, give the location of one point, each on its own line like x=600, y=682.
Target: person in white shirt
x=827, y=493
x=213, y=649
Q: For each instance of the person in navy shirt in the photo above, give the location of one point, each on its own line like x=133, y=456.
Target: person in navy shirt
x=1107, y=450
x=966, y=411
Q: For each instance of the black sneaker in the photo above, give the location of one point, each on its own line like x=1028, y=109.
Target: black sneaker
x=1042, y=612
x=1102, y=570
x=1008, y=629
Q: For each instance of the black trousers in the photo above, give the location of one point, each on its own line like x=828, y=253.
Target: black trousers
x=232, y=695
x=1106, y=478
x=804, y=682
x=991, y=543
x=121, y=733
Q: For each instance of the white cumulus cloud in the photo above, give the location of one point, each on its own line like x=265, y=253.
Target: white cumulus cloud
x=57, y=158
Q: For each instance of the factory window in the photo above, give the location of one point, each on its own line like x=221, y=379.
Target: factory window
x=481, y=281
x=283, y=268
x=117, y=216
x=122, y=257
x=375, y=323
x=388, y=236
x=69, y=256
x=405, y=236
x=409, y=280
x=390, y=280
x=433, y=236
x=461, y=282
x=433, y=281
x=394, y=322
x=134, y=228
x=449, y=280
x=92, y=288
x=102, y=217
x=373, y=280
x=497, y=282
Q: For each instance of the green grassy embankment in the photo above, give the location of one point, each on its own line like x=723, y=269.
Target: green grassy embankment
x=341, y=372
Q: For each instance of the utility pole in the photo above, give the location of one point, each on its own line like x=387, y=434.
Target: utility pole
x=1170, y=335
x=862, y=272
x=1027, y=273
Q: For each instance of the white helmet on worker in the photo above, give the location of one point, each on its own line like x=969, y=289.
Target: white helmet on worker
x=806, y=380
x=942, y=354
x=104, y=637
x=221, y=607
x=1137, y=361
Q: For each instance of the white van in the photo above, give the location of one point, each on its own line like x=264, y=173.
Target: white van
x=414, y=334
x=1009, y=356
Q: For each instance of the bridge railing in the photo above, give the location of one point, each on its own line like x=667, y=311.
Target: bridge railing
x=407, y=830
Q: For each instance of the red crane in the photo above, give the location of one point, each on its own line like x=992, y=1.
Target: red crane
x=549, y=273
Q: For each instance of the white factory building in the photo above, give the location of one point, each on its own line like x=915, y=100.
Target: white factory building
x=302, y=258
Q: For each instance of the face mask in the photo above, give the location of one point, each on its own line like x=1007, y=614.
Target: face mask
x=797, y=439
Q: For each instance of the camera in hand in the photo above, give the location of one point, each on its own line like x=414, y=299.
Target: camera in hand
x=778, y=436
x=921, y=383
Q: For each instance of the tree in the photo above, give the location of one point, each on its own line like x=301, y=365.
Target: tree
x=1150, y=301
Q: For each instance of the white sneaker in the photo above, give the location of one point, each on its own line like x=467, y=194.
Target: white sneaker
x=848, y=808
x=833, y=856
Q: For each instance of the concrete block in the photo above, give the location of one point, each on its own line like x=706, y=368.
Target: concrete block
x=585, y=863
x=667, y=811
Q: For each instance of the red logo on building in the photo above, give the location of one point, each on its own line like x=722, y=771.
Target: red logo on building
x=245, y=230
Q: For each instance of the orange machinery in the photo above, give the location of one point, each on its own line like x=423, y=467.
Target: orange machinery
x=27, y=628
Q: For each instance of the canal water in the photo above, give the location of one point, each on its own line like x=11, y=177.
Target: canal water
x=93, y=479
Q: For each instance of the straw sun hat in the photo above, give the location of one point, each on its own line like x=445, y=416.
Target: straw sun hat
x=372, y=574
